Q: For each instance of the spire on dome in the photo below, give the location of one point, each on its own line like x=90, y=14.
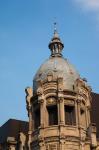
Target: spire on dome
x=56, y=45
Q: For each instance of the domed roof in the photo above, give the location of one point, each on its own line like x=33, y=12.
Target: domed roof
x=57, y=66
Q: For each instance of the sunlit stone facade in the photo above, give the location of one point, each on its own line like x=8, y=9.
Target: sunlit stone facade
x=59, y=106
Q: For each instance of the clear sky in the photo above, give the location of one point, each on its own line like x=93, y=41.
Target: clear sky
x=26, y=27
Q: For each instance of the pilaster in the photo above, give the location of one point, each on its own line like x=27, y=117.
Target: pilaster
x=42, y=110
x=61, y=110
x=78, y=111
x=29, y=95
x=61, y=101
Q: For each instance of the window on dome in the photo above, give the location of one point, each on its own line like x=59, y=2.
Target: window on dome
x=70, y=118
x=52, y=115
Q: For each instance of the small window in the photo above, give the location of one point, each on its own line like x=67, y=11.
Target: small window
x=70, y=115
x=52, y=115
x=36, y=118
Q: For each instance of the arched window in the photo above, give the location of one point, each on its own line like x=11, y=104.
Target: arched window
x=52, y=115
x=70, y=118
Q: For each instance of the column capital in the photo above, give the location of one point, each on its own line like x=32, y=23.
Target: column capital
x=79, y=101
x=40, y=100
x=60, y=94
x=60, y=99
x=62, y=137
x=40, y=91
x=40, y=138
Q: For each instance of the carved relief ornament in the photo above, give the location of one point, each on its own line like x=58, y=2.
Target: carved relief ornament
x=60, y=99
x=29, y=95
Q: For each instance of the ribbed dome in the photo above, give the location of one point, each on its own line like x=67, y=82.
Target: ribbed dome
x=59, y=67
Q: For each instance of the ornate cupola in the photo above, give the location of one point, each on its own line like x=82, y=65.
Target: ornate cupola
x=56, y=45
x=59, y=105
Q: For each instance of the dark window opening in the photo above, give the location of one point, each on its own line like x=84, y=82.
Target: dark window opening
x=70, y=115
x=36, y=118
x=53, y=116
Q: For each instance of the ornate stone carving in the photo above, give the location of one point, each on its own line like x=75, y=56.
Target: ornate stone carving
x=49, y=76
x=69, y=102
x=22, y=141
x=78, y=101
x=60, y=84
x=62, y=136
x=51, y=100
x=40, y=138
x=39, y=91
x=29, y=94
x=12, y=147
x=41, y=100
x=40, y=95
x=60, y=99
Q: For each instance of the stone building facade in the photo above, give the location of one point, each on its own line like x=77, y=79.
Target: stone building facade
x=59, y=108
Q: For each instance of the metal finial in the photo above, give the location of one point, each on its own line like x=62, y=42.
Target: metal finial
x=55, y=27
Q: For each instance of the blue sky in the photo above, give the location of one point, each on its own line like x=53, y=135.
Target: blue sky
x=26, y=28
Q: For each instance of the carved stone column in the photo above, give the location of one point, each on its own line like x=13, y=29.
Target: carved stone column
x=78, y=110
x=61, y=110
x=41, y=99
x=79, y=122
x=88, y=107
x=29, y=95
x=82, y=146
x=31, y=127
x=88, y=113
x=42, y=110
x=60, y=100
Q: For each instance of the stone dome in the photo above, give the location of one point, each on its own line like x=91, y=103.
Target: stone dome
x=57, y=65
